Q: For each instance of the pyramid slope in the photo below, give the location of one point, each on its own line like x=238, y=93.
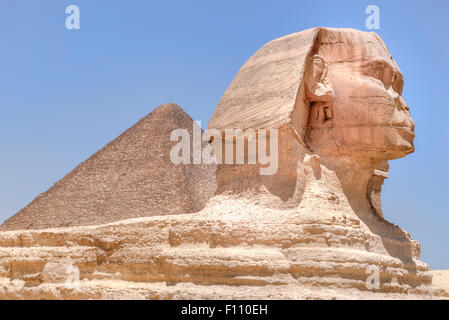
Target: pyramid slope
x=130, y=177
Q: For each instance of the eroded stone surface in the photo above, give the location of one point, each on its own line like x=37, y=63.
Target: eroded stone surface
x=231, y=249
x=312, y=230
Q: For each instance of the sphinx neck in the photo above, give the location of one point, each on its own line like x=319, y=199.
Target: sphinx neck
x=353, y=175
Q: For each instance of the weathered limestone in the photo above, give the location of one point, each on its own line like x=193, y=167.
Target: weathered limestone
x=130, y=177
x=238, y=250
x=314, y=229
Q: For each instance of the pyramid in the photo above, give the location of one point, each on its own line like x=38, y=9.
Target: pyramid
x=130, y=177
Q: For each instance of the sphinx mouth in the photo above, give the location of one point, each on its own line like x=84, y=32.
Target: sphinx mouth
x=405, y=132
x=401, y=127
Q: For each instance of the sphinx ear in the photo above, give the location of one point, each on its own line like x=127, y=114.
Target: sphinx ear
x=318, y=88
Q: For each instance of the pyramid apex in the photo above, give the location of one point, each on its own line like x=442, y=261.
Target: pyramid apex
x=169, y=107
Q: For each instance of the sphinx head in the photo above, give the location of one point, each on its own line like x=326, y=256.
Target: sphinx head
x=353, y=93
x=333, y=94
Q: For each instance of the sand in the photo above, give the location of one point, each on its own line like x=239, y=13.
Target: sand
x=441, y=280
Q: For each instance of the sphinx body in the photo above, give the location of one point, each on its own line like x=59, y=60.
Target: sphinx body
x=314, y=229
x=334, y=95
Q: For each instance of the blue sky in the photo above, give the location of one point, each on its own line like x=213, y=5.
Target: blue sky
x=65, y=94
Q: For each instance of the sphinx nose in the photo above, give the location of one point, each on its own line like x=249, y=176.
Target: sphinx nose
x=411, y=123
x=401, y=117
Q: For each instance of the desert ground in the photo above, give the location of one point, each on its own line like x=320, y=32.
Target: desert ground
x=441, y=280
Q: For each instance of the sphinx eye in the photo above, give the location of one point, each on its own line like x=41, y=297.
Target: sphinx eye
x=380, y=71
x=377, y=71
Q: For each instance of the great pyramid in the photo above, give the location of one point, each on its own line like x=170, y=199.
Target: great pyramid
x=130, y=177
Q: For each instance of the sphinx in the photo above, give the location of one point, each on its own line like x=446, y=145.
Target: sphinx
x=313, y=229
x=334, y=95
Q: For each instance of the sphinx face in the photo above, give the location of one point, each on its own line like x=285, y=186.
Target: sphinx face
x=367, y=113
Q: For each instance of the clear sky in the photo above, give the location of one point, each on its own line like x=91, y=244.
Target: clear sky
x=65, y=94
